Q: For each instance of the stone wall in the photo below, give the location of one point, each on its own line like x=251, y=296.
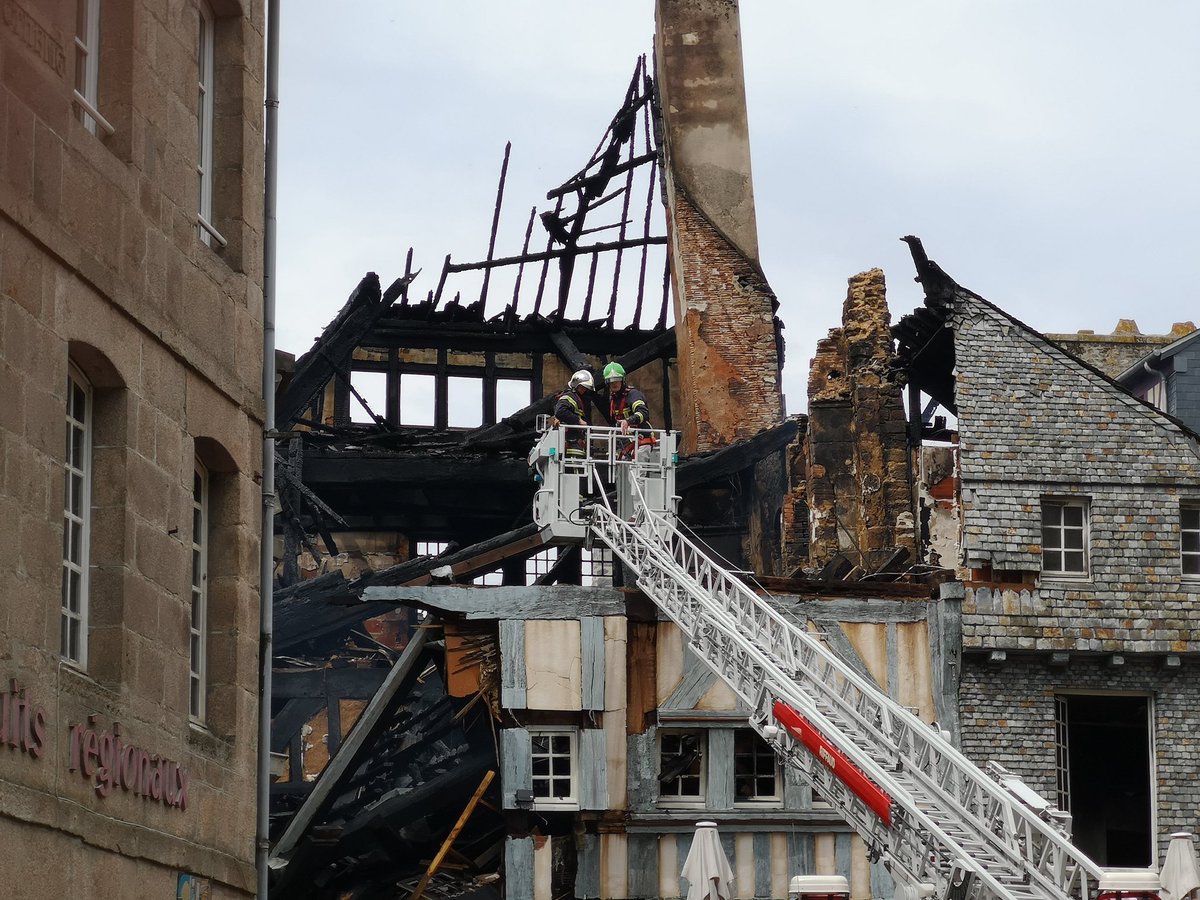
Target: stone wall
x=1007, y=714
x=857, y=483
x=1113, y=353
x=102, y=266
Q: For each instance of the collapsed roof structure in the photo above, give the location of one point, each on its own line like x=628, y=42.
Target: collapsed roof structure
x=465, y=705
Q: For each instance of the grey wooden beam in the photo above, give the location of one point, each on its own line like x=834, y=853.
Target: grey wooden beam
x=518, y=868
x=516, y=767
x=643, y=865
x=593, y=769
x=845, y=609
x=893, y=661
x=801, y=854
x=352, y=746
x=945, y=645
x=513, y=687
x=762, y=865
x=550, y=601
x=587, y=867
x=719, y=759
x=591, y=642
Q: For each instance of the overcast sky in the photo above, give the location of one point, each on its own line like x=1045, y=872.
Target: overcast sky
x=1045, y=152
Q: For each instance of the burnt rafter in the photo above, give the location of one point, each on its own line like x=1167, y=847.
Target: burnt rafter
x=924, y=341
x=628, y=146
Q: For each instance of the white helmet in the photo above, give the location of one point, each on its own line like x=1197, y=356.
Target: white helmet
x=582, y=377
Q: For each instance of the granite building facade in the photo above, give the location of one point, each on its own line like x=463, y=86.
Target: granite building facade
x=131, y=305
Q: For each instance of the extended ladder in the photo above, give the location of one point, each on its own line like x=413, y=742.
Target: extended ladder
x=934, y=818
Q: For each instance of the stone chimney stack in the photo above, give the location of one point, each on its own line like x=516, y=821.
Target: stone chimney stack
x=729, y=346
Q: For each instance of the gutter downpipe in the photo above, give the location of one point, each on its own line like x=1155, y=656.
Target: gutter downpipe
x=267, y=548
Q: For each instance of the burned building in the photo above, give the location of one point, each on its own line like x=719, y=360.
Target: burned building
x=465, y=704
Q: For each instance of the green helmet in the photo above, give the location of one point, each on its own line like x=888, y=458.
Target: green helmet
x=614, y=371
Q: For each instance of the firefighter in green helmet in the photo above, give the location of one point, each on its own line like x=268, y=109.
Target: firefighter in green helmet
x=626, y=405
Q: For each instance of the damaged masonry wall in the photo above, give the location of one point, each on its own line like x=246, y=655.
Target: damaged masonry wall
x=853, y=469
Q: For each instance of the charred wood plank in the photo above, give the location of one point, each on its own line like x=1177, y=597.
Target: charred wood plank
x=353, y=747
x=557, y=254
x=693, y=471
x=352, y=323
x=568, y=352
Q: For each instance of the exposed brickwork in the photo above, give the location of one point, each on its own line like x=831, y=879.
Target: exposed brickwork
x=858, y=485
x=1034, y=423
x=729, y=354
x=1008, y=715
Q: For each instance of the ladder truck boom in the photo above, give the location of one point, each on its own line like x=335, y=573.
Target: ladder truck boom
x=939, y=823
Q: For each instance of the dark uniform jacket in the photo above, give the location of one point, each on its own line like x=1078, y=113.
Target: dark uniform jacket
x=629, y=403
x=572, y=410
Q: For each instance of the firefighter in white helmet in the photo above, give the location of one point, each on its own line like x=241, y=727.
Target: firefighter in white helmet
x=574, y=407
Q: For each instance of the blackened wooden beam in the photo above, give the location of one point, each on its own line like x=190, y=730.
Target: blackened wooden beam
x=734, y=458
x=568, y=352
x=487, y=273
x=577, y=183
x=556, y=254
x=351, y=683
x=352, y=748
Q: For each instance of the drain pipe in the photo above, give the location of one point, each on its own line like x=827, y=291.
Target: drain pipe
x=267, y=549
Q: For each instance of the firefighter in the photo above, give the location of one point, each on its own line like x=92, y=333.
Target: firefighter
x=574, y=408
x=626, y=405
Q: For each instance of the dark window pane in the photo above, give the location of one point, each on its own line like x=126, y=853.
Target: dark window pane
x=1191, y=541
x=1051, y=514
x=1051, y=538
x=541, y=765
x=1191, y=564
x=541, y=743
x=689, y=786
x=1073, y=561
x=1051, y=561
x=1073, y=515
x=560, y=743
x=1190, y=516
x=562, y=787
x=766, y=787
x=1073, y=539
x=541, y=787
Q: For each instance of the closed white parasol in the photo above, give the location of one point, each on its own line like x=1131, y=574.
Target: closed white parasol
x=1180, y=874
x=706, y=869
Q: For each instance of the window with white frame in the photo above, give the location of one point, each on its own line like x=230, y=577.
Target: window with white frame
x=77, y=519
x=198, y=643
x=1064, y=537
x=1189, y=538
x=681, y=775
x=431, y=548
x=540, y=564
x=204, y=127
x=87, y=66
x=553, y=755
x=597, y=567
x=755, y=769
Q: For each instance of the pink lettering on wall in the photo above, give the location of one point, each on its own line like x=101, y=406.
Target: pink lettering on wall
x=22, y=725
x=105, y=759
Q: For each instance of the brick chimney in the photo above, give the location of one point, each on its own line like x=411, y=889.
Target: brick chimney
x=729, y=346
